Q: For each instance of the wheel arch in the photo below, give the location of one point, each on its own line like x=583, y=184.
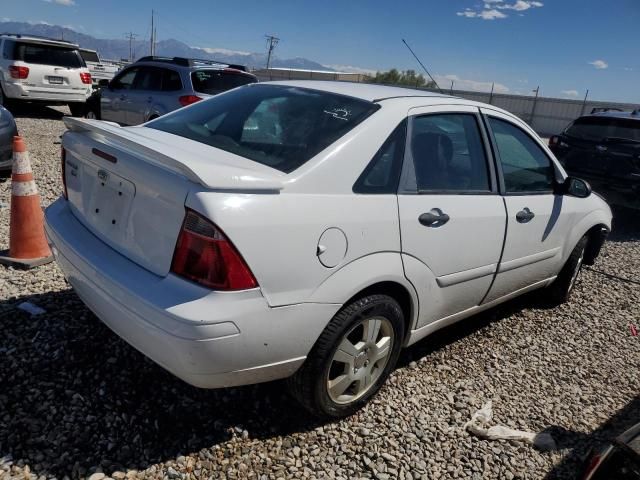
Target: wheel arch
x=381, y=272
x=591, y=225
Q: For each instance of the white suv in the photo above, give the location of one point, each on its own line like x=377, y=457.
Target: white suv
x=36, y=69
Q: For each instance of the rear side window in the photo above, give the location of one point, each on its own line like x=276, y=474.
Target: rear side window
x=448, y=154
x=383, y=172
x=525, y=166
x=216, y=81
x=599, y=128
x=171, y=81
x=89, y=56
x=278, y=126
x=148, y=78
x=48, y=55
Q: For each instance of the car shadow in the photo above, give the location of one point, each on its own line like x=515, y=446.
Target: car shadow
x=34, y=110
x=75, y=396
x=581, y=445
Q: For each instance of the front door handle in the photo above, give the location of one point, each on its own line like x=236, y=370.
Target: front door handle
x=434, y=218
x=524, y=215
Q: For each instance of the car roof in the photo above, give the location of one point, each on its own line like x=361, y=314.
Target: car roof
x=38, y=39
x=365, y=91
x=635, y=115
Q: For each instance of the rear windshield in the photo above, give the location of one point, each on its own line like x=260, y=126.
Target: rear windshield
x=89, y=56
x=278, y=126
x=216, y=81
x=41, y=54
x=599, y=128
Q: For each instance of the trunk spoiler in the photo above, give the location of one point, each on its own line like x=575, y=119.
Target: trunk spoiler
x=228, y=172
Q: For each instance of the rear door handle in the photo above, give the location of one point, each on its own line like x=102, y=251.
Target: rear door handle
x=434, y=218
x=524, y=215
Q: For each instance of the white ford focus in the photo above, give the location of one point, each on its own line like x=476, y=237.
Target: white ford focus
x=311, y=230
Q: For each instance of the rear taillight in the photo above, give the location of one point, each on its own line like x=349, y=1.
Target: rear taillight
x=85, y=77
x=188, y=99
x=553, y=141
x=18, y=72
x=205, y=255
x=63, y=168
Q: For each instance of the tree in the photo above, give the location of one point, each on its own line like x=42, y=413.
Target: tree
x=407, y=78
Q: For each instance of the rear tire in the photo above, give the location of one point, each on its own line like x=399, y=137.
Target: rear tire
x=352, y=358
x=77, y=109
x=560, y=290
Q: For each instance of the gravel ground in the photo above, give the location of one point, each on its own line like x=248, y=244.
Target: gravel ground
x=77, y=401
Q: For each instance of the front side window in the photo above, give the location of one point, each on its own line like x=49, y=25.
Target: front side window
x=278, y=126
x=41, y=54
x=525, y=166
x=448, y=154
x=212, y=81
x=124, y=81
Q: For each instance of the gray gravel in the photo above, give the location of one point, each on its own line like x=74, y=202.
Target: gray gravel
x=77, y=401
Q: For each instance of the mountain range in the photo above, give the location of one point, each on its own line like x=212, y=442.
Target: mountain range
x=116, y=49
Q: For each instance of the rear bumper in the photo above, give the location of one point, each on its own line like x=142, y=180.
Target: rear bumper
x=208, y=339
x=19, y=91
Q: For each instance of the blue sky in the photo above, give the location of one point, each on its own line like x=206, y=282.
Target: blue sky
x=565, y=46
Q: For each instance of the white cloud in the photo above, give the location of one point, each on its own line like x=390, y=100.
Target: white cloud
x=467, y=84
x=491, y=9
x=66, y=3
x=628, y=69
x=491, y=14
x=5, y=19
x=599, y=64
x=570, y=93
x=224, y=51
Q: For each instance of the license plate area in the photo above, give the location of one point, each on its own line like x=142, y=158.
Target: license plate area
x=108, y=198
x=55, y=80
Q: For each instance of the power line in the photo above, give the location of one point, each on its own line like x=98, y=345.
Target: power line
x=271, y=45
x=131, y=36
x=422, y=65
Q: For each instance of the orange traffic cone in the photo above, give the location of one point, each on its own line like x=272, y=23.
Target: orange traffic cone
x=28, y=246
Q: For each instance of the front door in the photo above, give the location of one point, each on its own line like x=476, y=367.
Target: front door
x=538, y=221
x=114, y=100
x=452, y=219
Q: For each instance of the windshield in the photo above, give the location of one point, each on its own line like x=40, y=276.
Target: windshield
x=598, y=129
x=216, y=81
x=278, y=126
x=42, y=54
x=89, y=56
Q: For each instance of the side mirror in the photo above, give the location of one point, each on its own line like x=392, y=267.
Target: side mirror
x=576, y=187
x=103, y=83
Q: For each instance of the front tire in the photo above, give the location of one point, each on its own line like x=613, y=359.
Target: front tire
x=352, y=358
x=560, y=290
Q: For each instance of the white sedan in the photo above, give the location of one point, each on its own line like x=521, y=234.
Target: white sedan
x=311, y=230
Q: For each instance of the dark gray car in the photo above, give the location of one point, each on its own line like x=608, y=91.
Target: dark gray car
x=8, y=130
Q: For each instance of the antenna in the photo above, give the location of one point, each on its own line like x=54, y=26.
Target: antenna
x=421, y=64
x=271, y=45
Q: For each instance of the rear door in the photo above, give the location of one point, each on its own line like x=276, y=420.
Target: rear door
x=538, y=221
x=452, y=219
x=114, y=100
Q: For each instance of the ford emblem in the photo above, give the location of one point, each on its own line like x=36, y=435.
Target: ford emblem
x=102, y=175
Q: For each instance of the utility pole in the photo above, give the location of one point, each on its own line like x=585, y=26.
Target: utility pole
x=271, y=45
x=131, y=36
x=152, y=41
x=451, y=89
x=491, y=94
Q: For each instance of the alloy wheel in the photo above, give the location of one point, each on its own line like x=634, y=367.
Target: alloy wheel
x=360, y=359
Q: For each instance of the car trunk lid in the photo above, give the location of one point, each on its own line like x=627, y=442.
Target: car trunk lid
x=128, y=185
